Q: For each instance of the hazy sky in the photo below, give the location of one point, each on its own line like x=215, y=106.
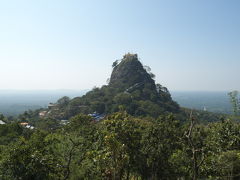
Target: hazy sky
x=67, y=44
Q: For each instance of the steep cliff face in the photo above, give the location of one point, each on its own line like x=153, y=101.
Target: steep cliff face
x=130, y=72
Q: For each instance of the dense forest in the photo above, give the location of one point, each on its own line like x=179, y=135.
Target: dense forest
x=128, y=129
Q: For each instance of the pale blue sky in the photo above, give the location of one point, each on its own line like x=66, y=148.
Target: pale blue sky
x=67, y=44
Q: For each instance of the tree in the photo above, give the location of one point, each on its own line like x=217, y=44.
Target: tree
x=63, y=101
x=115, y=63
x=196, y=146
x=119, y=140
x=160, y=140
x=235, y=101
x=31, y=159
x=223, y=142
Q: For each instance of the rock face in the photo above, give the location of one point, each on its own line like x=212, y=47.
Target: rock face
x=130, y=72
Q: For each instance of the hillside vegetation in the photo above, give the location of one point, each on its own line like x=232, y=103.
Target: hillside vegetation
x=129, y=129
x=131, y=88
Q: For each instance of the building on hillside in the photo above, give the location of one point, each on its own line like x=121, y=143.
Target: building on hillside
x=82, y=106
x=42, y=113
x=130, y=56
x=2, y=122
x=24, y=124
x=52, y=105
x=96, y=116
x=64, y=122
x=29, y=127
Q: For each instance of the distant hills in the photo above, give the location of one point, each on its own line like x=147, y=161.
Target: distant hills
x=213, y=101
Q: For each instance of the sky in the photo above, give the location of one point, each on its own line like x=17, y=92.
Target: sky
x=71, y=44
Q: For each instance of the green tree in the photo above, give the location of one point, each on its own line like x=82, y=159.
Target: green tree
x=235, y=101
x=223, y=143
x=115, y=63
x=160, y=140
x=119, y=153
x=31, y=160
x=195, y=146
x=63, y=101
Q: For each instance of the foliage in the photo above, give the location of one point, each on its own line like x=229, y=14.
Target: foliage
x=234, y=99
x=143, y=135
x=122, y=147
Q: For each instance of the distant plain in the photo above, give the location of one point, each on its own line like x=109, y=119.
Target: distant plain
x=14, y=102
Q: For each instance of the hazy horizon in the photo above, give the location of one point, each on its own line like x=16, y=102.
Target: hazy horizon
x=14, y=102
x=189, y=45
x=74, y=90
